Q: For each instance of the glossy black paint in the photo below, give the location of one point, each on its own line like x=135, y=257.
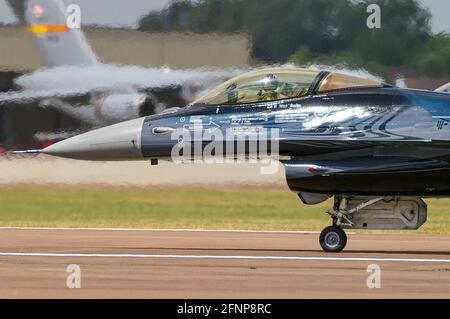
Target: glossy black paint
x=371, y=141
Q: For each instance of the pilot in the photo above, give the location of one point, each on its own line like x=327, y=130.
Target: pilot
x=269, y=91
x=232, y=94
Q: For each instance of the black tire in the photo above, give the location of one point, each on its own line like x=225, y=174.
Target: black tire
x=333, y=239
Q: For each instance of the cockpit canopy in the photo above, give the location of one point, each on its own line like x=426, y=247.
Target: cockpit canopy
x=279, y=84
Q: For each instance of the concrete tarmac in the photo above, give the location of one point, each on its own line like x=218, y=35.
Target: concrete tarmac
x=218, y=264
x=50, y=170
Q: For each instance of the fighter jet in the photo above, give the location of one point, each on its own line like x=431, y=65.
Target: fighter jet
x=377, y=149
x=113, y=93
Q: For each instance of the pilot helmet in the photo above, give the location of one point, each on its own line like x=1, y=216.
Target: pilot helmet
x=270, y=82
x=231, y=87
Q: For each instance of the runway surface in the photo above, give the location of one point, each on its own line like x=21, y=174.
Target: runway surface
x=51, y=170
x=218, y=264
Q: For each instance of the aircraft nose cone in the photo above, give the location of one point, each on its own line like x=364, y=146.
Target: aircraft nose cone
x=112, y=143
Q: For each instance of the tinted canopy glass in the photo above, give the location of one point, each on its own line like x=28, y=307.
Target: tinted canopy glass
x=260, y=86
x=336, y=81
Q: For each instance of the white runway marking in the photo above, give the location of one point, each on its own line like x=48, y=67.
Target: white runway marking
x=166, y=230
x=318, y=258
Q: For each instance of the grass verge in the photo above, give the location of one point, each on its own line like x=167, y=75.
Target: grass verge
x=249, y=208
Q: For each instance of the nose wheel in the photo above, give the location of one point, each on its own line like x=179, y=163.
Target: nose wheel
x=333, y=239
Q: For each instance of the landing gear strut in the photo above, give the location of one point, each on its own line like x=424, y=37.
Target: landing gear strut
x=370, y=212
x=333, y=238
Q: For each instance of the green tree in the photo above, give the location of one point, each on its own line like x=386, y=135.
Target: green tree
x=302, y=30
x=277, y=28
x=405, y=27
x=434, y=58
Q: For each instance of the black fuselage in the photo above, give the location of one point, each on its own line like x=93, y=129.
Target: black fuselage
x=373, y=141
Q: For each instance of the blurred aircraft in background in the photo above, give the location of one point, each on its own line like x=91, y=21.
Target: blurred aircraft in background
x=110, y=93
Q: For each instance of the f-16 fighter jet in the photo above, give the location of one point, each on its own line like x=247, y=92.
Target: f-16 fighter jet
x=377, y=149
